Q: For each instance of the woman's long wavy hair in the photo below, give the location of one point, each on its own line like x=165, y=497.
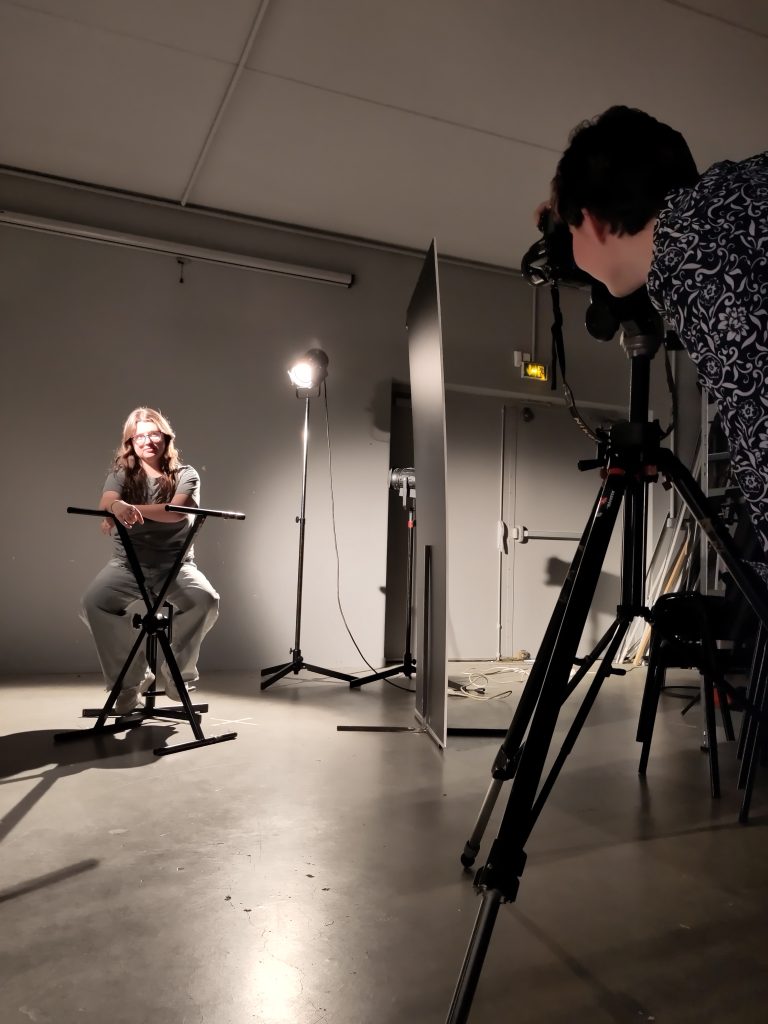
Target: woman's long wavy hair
x=135, y=489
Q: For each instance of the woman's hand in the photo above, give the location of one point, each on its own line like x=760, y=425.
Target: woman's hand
x=128, y=515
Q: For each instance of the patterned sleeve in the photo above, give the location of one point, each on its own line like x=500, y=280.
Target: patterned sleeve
x=710, y=277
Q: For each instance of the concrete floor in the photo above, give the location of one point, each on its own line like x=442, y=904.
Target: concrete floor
x=300, y=875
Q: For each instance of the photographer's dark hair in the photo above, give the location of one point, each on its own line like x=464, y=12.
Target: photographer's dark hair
x=620, y=166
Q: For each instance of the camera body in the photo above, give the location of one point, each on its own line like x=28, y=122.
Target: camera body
x=550, y=261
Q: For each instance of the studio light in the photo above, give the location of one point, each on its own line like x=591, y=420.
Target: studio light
x=310, y=371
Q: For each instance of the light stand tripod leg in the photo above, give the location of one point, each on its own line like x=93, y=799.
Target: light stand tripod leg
x=295, y=666
x=333, y=673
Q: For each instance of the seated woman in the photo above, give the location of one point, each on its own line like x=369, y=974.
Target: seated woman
x=146, y=476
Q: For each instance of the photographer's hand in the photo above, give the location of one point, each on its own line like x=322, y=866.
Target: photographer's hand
x=546, y=205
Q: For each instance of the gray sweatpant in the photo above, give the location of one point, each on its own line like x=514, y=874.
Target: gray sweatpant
x=112, y=598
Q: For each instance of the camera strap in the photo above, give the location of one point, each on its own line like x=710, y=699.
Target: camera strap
x=558, y=359
x=558, y=348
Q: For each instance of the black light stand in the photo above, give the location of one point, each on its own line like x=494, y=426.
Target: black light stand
x=630, y=458
x=404, y=482
x=306, y=376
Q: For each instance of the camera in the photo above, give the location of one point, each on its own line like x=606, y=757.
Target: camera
x=550, y=261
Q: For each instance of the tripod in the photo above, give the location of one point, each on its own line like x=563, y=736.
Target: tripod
x=630, y=459
x=405, y=479
x=297, y=662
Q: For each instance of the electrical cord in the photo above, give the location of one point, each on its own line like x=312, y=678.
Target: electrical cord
x=473, y=690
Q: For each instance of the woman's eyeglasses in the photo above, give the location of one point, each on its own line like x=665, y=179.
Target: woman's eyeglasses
x=143, y=439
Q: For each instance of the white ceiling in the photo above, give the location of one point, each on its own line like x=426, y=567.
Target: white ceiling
x=393, y=120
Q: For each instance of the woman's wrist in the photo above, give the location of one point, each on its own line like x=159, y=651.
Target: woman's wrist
x=112, y=505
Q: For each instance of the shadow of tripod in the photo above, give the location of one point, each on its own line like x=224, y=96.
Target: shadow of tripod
x=630, y=458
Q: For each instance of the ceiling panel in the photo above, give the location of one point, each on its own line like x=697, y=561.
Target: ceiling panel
x=103, y=108
x=307, y=156
x=213, y=29
x=528, y=71
x=389, y=119
x=751, y=15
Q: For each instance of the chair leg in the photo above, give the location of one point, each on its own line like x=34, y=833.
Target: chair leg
x=654, y=681
x=711, y=727
x=755, y=674
x=753, y=729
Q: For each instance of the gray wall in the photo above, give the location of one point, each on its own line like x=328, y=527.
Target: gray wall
x=90, y=331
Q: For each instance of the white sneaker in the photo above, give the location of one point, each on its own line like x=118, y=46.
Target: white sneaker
x=128, y=700
x=169, y=686
x=130, y=697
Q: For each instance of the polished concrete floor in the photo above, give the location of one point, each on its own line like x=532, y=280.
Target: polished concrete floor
x=302, y=875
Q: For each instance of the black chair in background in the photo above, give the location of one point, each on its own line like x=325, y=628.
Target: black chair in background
x=684, y=630
x=715, y=635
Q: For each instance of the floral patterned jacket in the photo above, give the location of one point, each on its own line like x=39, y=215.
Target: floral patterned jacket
x=709, y=281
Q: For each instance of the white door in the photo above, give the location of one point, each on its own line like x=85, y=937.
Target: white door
x=546, y=494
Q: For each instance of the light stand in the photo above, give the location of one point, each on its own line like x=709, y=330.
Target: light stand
x=306, y=375
x=404, y=482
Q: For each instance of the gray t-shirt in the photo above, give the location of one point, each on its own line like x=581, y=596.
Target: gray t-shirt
x=158, y=544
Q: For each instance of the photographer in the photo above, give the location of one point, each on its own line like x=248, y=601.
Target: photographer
x=640, y=214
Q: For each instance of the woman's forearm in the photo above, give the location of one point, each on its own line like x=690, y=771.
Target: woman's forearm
x=158, y=514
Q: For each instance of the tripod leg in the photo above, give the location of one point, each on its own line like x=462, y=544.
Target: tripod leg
x=332, y=673
x=277, y=668
x=290, y=667
x=472, y=846
x=499, y=878
x=473, y=961
x=620, y=629
x=507, y=757
x=503, y=770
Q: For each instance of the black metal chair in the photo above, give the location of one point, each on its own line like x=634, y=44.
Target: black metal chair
x=684, y=630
